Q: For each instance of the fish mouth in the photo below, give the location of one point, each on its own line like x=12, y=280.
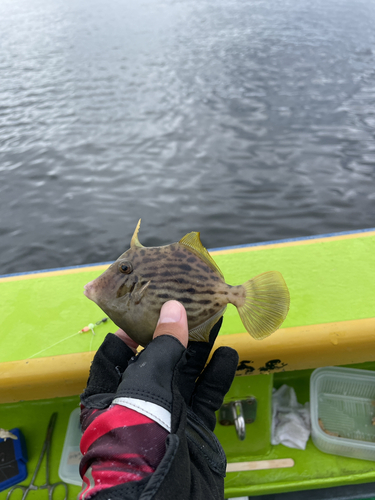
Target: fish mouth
x=88, y=290
x=91, y=291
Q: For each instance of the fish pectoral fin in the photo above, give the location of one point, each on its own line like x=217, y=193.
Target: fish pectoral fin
x=193, y=242
x=201, y=333
x=266, y=304
x=139, y=294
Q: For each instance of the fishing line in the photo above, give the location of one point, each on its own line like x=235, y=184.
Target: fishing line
x=85, y=329
x=53, y=345
x=91, y=341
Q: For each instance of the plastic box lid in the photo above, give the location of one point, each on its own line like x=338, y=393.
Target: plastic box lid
x=343, y=411
x=71, y=454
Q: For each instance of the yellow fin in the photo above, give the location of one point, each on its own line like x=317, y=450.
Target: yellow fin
x=135, y=241
x=201, y=333
x=266, y=304
x=192, y=242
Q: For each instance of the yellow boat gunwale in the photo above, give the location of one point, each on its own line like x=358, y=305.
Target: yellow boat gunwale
x=345, y=342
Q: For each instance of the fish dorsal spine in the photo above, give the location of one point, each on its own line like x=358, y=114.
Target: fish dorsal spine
x=135, y=241
x=193, y=243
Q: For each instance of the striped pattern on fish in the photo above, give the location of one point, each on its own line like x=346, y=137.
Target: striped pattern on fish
x=133, y=289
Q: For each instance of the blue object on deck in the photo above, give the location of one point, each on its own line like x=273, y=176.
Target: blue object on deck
x=13, y=458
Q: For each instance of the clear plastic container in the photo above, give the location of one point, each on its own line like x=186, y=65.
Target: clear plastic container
x=343, y=411
x=71, y=455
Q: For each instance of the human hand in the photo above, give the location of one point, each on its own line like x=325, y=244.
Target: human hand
x=169, y=375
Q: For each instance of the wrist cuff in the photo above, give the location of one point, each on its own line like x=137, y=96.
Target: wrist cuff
x=157, y=413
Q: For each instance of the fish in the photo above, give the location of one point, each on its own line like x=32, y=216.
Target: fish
x=133, y=289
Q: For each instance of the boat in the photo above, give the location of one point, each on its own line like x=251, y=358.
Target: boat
x=45, y=356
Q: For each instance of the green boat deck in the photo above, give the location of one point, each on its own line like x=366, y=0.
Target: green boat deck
x=331, y=281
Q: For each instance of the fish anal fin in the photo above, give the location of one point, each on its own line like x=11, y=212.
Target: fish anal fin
x=266, y=304
x=193, y=242
x=201, y=333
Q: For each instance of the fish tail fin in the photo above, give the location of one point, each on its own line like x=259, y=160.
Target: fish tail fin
x=266, y=304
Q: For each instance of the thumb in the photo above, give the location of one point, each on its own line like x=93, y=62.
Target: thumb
x=173, y=322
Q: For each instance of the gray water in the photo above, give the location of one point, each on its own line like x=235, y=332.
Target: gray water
x=246, y=120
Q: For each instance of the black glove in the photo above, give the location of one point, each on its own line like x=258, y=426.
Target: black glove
x=167, y=374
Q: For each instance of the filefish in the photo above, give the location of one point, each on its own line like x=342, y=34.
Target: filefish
x=134, y=288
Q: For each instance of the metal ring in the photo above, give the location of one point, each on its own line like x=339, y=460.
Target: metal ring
x=239, y=420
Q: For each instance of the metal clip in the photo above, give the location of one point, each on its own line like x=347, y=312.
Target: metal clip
x=238, y=413
x=239, y=421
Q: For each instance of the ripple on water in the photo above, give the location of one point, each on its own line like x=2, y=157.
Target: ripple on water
x=246, y=124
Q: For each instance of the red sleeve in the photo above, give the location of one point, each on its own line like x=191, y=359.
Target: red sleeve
x=118, y=445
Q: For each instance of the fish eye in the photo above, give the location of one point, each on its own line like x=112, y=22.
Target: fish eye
x=125, y=267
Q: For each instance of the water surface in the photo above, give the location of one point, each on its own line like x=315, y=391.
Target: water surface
x=247, y=121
